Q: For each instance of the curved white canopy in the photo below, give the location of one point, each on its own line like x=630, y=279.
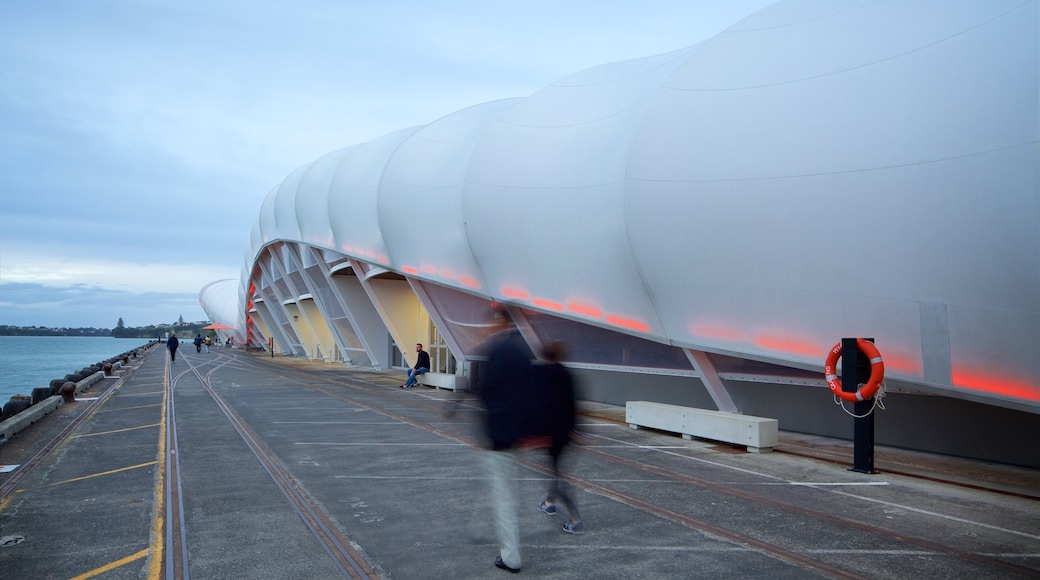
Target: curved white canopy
x=818, y=170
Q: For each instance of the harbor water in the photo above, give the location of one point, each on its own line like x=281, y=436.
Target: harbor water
x=27, y=362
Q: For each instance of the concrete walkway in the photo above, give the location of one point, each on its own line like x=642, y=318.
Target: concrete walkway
x=406, y=484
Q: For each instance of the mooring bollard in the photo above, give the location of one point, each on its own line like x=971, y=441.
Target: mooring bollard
x=126, y=359
x=108, y=369
x=68, y=392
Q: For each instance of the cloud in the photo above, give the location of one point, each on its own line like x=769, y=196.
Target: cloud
x=82, y=305
x=124, y=275
x=140, y=138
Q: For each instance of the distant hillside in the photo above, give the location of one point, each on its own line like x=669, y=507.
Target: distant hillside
x=44, y=331
x=186, y=330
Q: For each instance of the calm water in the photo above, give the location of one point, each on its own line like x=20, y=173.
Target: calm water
x=27, y=362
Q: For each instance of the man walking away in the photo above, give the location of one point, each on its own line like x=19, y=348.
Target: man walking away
x=172, y=343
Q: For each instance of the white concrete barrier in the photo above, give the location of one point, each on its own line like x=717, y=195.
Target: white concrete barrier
x=757, y=433
x=11, y=427
x=443, y=381
x=20, y=422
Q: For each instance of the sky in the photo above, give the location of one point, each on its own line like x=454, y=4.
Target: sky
x=138, y=138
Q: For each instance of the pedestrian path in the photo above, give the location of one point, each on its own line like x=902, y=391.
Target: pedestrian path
x=266, y=452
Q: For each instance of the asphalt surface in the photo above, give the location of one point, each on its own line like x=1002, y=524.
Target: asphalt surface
x=399, y=477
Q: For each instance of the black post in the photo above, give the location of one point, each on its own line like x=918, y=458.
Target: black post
x=855, y=369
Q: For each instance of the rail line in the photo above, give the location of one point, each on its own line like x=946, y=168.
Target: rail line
x=766, y=548
x=24, y=470
x=394, y=404
x=349, y=561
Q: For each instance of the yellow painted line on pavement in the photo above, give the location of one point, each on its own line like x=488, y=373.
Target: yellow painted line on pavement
x=156, y=543
x=115, y=431
x=113, y=565
x=92, y=476
x=8, y=500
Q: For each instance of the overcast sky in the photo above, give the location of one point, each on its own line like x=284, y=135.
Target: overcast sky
x=138, y=138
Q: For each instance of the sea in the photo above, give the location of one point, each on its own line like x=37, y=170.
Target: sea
x=27, y=362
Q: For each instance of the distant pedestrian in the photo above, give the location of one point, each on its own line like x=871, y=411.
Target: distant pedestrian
x=205, y=344
x=506, y=391
x=172, y=343
x=556, y=397
x=198, y=343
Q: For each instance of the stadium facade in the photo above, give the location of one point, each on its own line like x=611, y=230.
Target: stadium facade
x=701, y=227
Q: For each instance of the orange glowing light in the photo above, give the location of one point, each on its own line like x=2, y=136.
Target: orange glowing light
x=409, y=269
x=428, y=269
x=447, y=273
x=995, y=383
x=901, y=362
x=630, y=323
x=584, y=309
x=513, y=292
x=470, y=282
x=788, y=344
x=551, y=305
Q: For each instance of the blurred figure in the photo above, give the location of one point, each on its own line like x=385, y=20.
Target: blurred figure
x=422, y=365
x=172, y=343
x=556, y=396
x=198, y=343
x=507, y=394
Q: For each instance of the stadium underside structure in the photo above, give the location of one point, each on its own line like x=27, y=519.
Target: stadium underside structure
x=701, y=227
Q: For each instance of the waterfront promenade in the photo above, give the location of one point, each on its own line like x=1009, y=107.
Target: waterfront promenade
x=236, y=465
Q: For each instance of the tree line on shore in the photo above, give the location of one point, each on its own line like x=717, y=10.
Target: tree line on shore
x=156, y=331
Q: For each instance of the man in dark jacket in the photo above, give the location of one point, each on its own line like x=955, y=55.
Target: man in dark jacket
x=422, y=365
x=556, y=397
x=172, y=343
x=506, y=391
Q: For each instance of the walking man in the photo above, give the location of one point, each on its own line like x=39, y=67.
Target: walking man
x=172, y=343
x=506, y=392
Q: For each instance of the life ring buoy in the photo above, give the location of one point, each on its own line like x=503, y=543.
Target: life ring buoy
x=877, y=372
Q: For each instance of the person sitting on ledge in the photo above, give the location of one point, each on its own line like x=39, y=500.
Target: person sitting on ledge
x=422, y=365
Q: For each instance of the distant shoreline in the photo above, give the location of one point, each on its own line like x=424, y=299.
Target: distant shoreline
x=156, y=332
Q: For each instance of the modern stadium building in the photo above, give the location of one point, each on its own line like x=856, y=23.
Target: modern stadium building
x=701, y=227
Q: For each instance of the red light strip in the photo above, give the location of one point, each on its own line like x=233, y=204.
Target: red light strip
x=630, y=323
x=409, y=270
x=470, y=282
x=584, y=309
x=995, y=383
x=789, y=345
x=549, y=304
x=511, y=292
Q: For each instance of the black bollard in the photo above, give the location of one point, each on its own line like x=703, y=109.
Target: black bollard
x=855, y=370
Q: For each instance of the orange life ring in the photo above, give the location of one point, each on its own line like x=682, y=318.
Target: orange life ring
x=877, y=372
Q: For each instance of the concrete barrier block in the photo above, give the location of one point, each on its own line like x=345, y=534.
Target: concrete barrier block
x=11, y=427
x=759, y=434
x=443, y=381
